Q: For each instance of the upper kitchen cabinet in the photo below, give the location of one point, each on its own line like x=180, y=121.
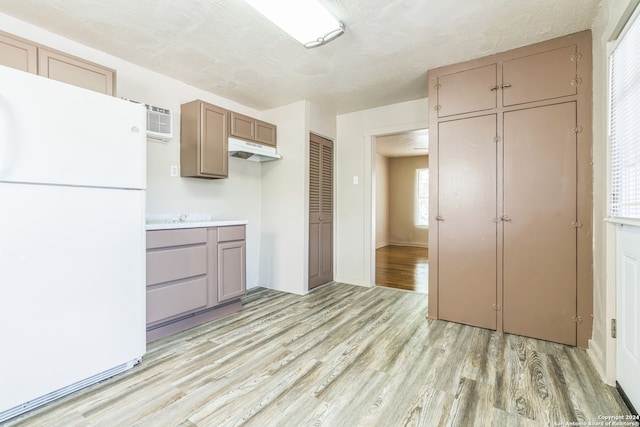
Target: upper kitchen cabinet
x=36, y=59
x=250, y=129
x=467, y=91
x=203, y=140
x=242, y=126
x=265, y=133
x=545, y=75
x=18, y=53
x=75, y=71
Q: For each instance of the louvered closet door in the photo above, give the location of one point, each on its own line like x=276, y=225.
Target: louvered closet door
x=539, y=234
x=320, y=211
x=467, y=231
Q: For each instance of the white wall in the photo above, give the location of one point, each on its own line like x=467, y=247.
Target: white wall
x=382, y=201
x=284, y=251
x=402, y=202
x=610, y=19
x=238, y=197
x=355, y=203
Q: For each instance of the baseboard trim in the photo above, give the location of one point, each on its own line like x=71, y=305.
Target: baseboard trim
x=597, y=359
x=413, y=245
x=626, y=400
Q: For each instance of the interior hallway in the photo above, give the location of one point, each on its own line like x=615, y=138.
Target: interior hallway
x=403, y=267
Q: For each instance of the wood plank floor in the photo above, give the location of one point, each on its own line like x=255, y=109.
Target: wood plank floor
x=342, y=356
x=403, y=267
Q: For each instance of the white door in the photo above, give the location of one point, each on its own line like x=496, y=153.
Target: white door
x=628, y=317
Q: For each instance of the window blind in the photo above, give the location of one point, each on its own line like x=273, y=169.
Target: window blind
x=624, y=123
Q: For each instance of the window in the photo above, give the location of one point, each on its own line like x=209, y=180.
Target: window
x=624, y=125
x=422, y=214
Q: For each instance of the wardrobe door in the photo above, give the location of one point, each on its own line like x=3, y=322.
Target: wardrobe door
x=539, y=223
x=467, y=247
x=545, y=75
x=467, y=91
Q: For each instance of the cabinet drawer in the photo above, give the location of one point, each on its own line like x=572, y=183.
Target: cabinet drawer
x=175, y=264
x=176, y=237
x=234, y=232
x=176, y=299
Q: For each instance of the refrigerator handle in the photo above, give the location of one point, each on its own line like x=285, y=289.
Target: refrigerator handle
x=8, y=133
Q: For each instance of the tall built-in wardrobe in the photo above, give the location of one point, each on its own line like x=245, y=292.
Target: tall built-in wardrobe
x=511, y=229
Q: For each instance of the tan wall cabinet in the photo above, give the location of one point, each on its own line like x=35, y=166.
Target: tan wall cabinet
x=193, y=275
x=33, y=58
x=203, y=140
x=18, y=53
x=250, y=129
x=511, y=224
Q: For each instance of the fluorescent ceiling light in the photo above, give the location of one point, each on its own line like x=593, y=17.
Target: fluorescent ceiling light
x=305, y=20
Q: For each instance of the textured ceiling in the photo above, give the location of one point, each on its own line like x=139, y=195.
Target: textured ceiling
x=406, y=144
x=226, y=47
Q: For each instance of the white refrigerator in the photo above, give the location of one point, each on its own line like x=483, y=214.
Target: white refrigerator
x=72, y=239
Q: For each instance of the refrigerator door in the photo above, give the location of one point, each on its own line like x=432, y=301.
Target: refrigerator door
x=72, y=294
x=55, y=133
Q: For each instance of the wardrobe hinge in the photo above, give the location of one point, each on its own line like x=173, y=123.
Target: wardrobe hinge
x=577, y=129
x=497, y=139
x=576, y=224
x=437, y=86
x=576, y=319
x=576, y=57
x=437, y=107
x=496, y=307
x=576, y=81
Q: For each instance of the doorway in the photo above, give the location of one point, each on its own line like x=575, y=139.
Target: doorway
x=401, y=210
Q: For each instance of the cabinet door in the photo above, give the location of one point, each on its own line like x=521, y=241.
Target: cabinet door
x=242, y=127
x=231, y=270
x=265, y=133
x=213, y=142
x=18, y=54
x=467, y=231
x=545, y=75
x=467, y=91
x=75, y=71
x=539, y=233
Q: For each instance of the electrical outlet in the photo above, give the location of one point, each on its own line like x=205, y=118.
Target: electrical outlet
x=174, y=170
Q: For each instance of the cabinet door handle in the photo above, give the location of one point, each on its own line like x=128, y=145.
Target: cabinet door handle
x=496, y=87
x=505, y=86
x=439, y=218
x=505, y=218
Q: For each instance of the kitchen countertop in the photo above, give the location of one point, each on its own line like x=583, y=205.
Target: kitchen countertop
x=171, y=221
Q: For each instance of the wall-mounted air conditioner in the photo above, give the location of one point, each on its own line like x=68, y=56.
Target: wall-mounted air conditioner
x=159, y=122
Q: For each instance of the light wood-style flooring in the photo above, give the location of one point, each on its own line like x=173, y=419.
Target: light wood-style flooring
x=342, y=356
x=403, y=267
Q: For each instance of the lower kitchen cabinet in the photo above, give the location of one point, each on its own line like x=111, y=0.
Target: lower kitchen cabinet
x=194, y=275
x=231, y=263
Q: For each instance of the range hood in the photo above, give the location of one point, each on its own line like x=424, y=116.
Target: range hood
x=252, y=151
